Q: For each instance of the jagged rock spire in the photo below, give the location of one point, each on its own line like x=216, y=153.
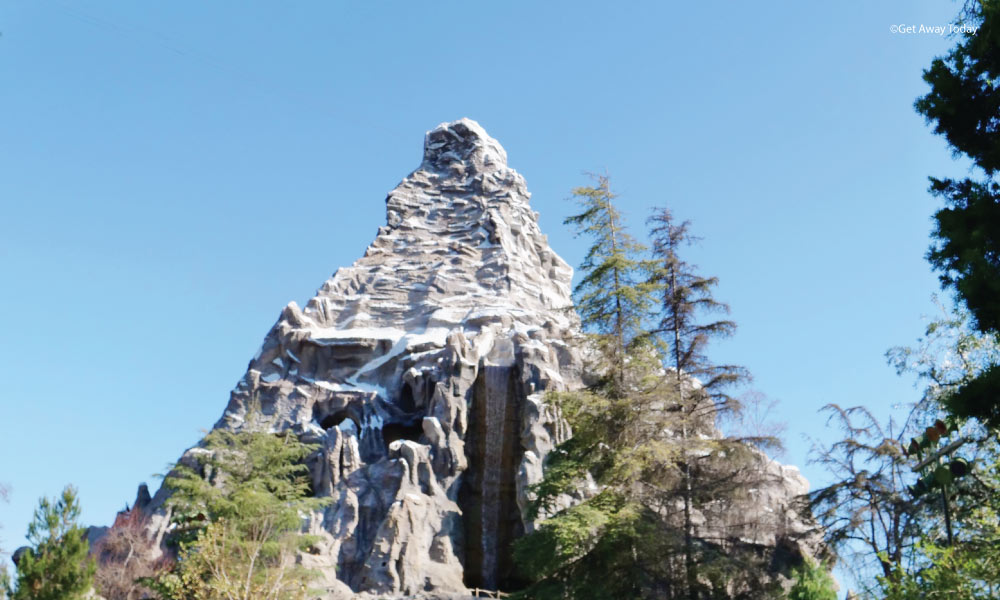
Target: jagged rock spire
x=421, y=372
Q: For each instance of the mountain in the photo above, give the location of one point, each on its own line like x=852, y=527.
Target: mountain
x=421, y=371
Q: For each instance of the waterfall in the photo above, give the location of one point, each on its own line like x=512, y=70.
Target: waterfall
x=497, y=384
x=488, y=495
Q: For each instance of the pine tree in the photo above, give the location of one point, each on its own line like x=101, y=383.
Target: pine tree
x=700, y=391
x=608, y=545
x=634, y=434
x=238, y=518
x=56, y=567
x=684, y=296
x=612, y=297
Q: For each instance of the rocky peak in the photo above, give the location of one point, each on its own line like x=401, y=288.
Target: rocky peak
x=461, y=248
x=462, y=147
x=420, y=373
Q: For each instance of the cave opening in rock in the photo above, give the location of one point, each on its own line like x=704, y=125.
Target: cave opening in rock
x=488, y=496
x=334, y=419
x=406, y=402
x=401, y=431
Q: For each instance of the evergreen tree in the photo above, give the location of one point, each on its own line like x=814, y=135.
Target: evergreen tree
x=56, y=566
x=963, y=105
x=685, y=297
x=238, y=517
x=612, y=298
x=634, y=435
x=712, y=467
x=609, y=545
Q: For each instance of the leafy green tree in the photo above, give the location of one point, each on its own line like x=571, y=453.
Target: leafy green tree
x=812, y=581
x=237, y=508
x=963, y=104
x=889, y=534
x=967, y=570
x=962, y=561
x=56, y=566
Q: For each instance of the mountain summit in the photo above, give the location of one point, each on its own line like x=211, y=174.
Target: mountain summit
x=421, y=371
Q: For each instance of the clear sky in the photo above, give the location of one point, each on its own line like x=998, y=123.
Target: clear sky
x=173, y=173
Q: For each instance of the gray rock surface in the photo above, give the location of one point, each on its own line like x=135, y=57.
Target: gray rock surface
x=421, y=371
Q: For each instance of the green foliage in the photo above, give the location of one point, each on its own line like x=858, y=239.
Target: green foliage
x=56, y=567
x=607, y=547
x=938, y=537
x=967, y=570
x=979, y=398
x=685, y=297
x=811, y=581
x=238, y=512
x=879, y=507
x=967, y=244
x=644, y=433
x=613, y=297
x=963, y=104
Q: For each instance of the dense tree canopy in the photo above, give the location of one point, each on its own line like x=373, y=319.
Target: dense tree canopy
x=964, y=106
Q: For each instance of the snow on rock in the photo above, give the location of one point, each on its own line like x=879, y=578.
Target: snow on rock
x=385, y=369
x=420, y=371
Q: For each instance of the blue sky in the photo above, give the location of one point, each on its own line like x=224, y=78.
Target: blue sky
x=173, y=173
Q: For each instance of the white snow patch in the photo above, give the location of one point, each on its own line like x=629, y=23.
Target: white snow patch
x=321, y=334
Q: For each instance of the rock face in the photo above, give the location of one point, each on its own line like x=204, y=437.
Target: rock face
x=420, y=371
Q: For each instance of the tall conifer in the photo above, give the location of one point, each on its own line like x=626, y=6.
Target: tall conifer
x=612, y=297
x=644, y=433
x=56, y=566
x=700, y=387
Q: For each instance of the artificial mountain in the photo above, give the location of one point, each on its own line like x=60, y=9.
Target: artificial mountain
x=421, y=371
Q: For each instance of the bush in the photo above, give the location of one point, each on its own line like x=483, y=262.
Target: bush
x=812, y=582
